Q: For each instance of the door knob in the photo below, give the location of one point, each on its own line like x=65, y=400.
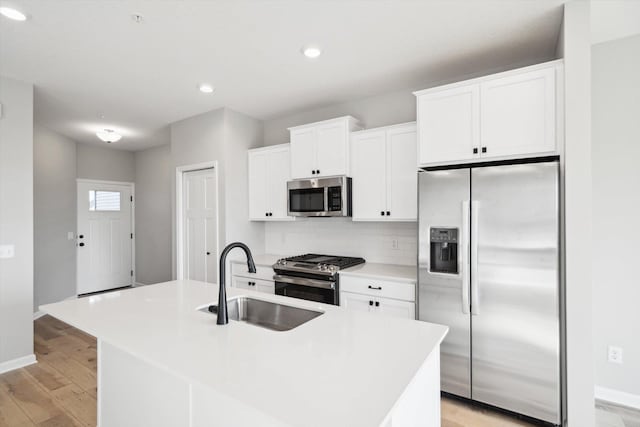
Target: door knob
x=81, y=244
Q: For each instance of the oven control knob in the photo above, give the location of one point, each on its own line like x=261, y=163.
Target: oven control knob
x=333, y=268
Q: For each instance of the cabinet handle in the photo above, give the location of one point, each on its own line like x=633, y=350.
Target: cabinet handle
x=475, y=151
x=80, y=244
x=370, y=302
x=484, y=149
x=266, y=214
x=318, y=171
x=377, y=303
x=313, y=172
x=81, y=236
x=208, y=253
x=377, y=288
x=381, y=213
x=388, y=213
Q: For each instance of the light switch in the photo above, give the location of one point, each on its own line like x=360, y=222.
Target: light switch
x=7, y=251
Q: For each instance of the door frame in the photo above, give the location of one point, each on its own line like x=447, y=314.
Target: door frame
x=180, y=171
x=132, y=187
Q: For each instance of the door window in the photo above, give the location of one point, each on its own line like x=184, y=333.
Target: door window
x=100, y=200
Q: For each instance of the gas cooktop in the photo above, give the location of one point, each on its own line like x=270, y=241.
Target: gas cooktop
x=317, y=263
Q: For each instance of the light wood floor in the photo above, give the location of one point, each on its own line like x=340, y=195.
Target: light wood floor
x=60, y=390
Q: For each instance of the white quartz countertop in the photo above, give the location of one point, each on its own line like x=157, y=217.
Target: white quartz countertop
x=402, y=273
x=343, y=368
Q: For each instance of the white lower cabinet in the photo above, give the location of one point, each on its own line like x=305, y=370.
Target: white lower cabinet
x=259, y=285
x=378, y=295
x=382, y=306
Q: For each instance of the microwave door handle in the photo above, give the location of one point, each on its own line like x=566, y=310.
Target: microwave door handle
x=326, y=198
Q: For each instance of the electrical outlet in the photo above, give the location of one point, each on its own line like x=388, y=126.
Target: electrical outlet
x=615, y=354
x=394, y=244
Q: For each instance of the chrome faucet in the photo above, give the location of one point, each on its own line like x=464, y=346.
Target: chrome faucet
x=223, y=317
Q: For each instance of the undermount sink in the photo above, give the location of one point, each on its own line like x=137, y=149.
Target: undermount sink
x=269, y=315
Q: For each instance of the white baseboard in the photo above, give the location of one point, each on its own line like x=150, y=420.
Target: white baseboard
x=20, y=362
x=138, y=284
x=618, y=397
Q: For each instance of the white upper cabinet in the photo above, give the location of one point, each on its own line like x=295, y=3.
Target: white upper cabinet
x=268, y=176
x=503, y=116
x=368, y=175
x=383, y=168
x=518, y=114
x=449, y=124
x=321, y=149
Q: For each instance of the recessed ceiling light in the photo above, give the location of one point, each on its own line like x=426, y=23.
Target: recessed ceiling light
x=14, y=14
x=311, y=51
x=205, y=88
x=108, y=135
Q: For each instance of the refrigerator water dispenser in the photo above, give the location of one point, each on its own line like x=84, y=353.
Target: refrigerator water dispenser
x=444, y=250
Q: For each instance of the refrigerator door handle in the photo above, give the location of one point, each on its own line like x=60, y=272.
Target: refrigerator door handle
x=464, y=259
x=475, y=301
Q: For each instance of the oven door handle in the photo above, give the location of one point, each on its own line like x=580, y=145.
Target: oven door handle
x=325, y=284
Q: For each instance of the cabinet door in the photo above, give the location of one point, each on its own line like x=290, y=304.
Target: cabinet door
x=303, y=153
x=518, y=114
x=448, y=125
x=265, y=286
x=258, y=208
x=332, y=146
x=395, y=308
x=356, y=301
x=368, y=172
x=402, y=174
x=278, y=175
x=242, y=282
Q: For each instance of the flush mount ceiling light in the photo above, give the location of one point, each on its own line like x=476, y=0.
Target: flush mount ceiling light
x=311, y=52
x=205, y=88
x=108, y=135
x=14, y=14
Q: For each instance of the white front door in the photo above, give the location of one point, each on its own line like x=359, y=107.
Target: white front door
x=200, y=224
x=104, y=239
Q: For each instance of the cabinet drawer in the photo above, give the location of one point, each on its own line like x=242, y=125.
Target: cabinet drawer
x=378, y=288
x=262, y=272
x=258, y=285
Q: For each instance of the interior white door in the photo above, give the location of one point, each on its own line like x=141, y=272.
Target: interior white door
x=518, y=114
x=332, y=149
x=303, y=153
x=449, y=124
x=368, y=164
x=402, y=174
x=104, y=246
x=200, y=222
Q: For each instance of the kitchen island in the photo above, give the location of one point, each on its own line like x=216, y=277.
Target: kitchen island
x=162, y=362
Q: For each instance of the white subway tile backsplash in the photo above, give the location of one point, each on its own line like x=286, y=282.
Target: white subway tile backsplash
x=340, y=236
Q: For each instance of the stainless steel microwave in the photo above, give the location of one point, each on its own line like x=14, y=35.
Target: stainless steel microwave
x=319, y=197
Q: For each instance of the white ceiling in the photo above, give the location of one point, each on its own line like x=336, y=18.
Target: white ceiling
x=89, y=59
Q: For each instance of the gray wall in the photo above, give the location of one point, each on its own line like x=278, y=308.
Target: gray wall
x=153, y=214
x=381, y=110
x=54, y=162
x=94, y=162
x=577, y=209
x=616, y=203
x=224, y=136
x=16, y=219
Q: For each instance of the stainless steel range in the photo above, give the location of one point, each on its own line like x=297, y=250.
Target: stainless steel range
x=312, y=277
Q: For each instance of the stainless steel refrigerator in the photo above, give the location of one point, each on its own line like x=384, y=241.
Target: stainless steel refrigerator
x=489, y=268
